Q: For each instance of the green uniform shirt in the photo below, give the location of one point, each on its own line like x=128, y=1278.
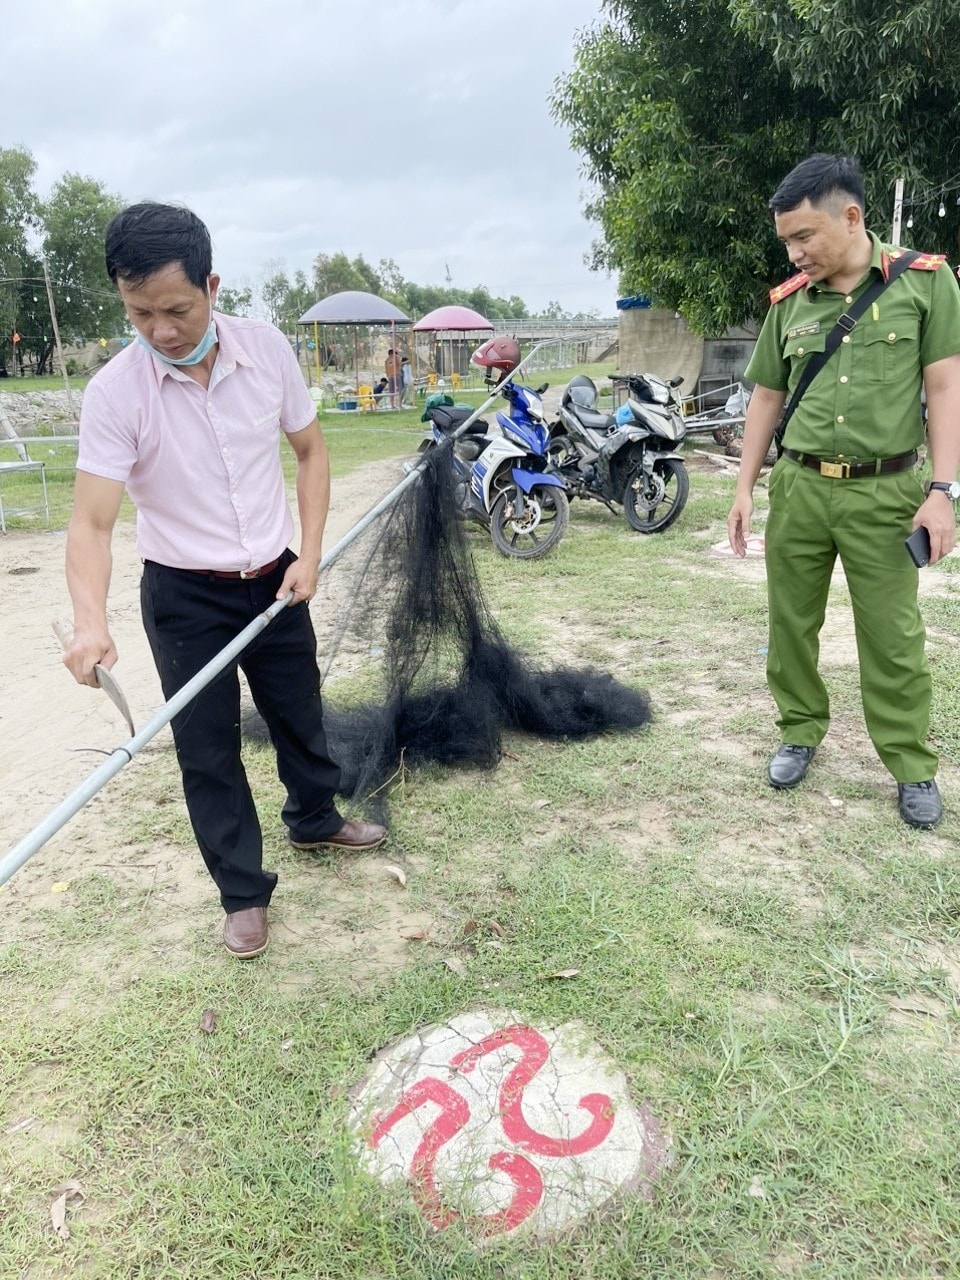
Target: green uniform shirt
x=865, y=401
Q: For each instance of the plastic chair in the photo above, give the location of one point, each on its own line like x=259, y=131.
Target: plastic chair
x=368, y=401
x=455, y=381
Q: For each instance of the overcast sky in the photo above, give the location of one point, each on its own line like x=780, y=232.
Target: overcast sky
x=416, y=130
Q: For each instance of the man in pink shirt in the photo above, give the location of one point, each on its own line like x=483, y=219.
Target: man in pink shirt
x=188, y=420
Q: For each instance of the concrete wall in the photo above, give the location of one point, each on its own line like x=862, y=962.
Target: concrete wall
x=653, y=341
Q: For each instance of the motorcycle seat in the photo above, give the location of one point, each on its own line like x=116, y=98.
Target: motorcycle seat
x=593, y=421
x=449, y=417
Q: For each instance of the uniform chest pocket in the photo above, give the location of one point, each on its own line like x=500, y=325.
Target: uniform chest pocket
x=269, y=419
x=891, y=347
x=796, y=350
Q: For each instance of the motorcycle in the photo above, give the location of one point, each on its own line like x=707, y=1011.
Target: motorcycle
x=629, y=457
x=503, y=481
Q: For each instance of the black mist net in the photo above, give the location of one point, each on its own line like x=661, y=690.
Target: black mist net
x=415, y=668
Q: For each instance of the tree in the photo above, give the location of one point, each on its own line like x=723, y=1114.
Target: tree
x=75, y=219
x=18, y=217
x=235, y=302
x=336, y=273
x=689, y=112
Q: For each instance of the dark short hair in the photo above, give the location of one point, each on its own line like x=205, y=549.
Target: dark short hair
x=817, y=179
x=145, y=237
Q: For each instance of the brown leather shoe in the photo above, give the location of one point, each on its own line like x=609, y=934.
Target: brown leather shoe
x=352, y=835
x=245, y=933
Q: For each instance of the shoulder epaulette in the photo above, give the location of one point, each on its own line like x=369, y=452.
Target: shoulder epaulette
x=789, y=286
x=923, y=261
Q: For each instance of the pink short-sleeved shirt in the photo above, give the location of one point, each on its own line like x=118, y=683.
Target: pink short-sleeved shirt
x=201, y=464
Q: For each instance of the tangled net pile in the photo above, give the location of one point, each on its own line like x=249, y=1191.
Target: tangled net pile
x=404, y=602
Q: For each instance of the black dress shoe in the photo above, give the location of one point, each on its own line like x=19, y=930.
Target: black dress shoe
x=920, y=804
x=789, y=766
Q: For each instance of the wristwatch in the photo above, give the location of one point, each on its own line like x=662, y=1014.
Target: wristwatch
x=949, y=487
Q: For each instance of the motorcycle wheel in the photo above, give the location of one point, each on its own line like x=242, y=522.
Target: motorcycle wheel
x=544, y=522
x=651, y=506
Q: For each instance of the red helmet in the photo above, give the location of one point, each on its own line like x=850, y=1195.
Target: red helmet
x=497, y=353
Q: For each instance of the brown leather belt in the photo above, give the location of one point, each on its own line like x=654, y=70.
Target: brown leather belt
x=841, y=468
x=238, y=573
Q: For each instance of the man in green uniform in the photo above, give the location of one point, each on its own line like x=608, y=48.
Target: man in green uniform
x=846, y=484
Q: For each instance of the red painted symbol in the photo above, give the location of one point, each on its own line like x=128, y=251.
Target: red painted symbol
x=455, y=1113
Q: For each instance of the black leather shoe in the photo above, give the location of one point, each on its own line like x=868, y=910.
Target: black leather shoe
x=920, y=804
x=789, y=766
x=352, y=835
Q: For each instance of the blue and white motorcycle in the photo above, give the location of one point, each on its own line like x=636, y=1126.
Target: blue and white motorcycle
x=503, y=481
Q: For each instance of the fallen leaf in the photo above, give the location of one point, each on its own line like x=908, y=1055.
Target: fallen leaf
x=398, y=874
x=58, y=1217
x=498, y=929
x=496, y=946
x=539, y=804
x=413, y=935
x=564, y=973
x=208, y=1021
x=58, y=1209
x=756, y=1188
x=455, y=965
x=510, y=755
x=470, y=927
x=287, y=1046
x=60, y=887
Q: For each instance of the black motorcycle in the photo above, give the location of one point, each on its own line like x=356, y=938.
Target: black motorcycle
x=629, y=457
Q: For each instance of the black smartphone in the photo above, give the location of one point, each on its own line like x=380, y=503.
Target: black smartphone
x=918, y=544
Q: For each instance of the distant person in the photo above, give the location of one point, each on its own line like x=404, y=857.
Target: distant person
x=406, y=383
x=380, y=388
x=391, y=367
x=188, y=419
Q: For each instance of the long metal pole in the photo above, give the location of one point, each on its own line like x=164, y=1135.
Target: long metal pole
x=61, y=815
x=56, y=338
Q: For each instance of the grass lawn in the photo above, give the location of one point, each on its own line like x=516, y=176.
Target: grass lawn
x=778, y=974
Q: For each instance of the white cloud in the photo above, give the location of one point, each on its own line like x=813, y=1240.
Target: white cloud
x=417, y=131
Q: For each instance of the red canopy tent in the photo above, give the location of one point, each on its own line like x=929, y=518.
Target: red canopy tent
x=451, y=320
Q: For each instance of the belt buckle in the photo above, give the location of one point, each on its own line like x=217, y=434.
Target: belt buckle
x=249, y=573
x=838, y=470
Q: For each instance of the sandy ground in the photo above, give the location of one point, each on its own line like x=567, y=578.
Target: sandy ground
x=51, y=728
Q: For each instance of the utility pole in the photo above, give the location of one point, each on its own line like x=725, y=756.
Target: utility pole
x=897, y=211
x=56, y=338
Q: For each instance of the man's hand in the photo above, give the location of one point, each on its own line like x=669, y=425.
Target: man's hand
x=738, y=523
x=939, y=519
x=87, y=648
x=301, y=579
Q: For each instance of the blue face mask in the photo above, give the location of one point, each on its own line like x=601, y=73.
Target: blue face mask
x=199, y=351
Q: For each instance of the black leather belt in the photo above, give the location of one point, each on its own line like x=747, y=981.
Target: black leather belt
x=841, y=468
x=238, y=573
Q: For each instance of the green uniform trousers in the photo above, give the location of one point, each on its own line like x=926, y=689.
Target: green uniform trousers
x=812, y=520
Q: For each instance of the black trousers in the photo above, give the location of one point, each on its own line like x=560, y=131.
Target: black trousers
x=189, y=618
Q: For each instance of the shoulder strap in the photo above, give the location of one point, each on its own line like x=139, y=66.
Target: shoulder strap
x=845, y=324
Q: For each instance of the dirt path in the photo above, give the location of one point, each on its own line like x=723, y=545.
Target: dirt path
x=51, y=729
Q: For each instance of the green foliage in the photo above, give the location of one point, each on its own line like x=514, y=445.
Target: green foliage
x=18, y=214
x=75, y=219
x=689, y=114
x=235, y=302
